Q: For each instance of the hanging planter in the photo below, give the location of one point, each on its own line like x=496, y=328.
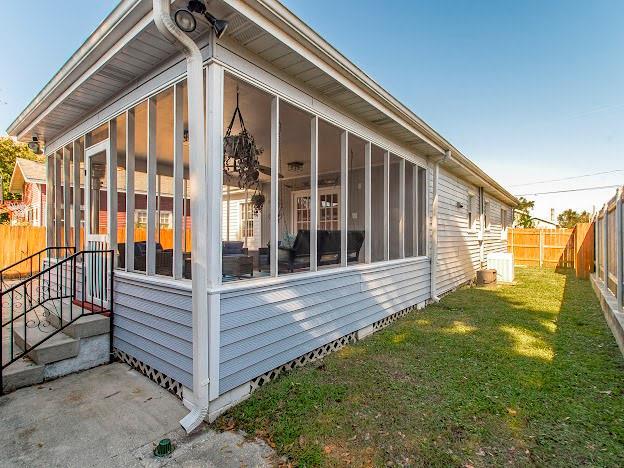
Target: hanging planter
x=257, y=200
x=240, y=158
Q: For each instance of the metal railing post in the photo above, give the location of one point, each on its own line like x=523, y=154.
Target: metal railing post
x=111, y=300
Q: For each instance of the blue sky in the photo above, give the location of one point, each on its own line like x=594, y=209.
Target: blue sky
x=530, y=90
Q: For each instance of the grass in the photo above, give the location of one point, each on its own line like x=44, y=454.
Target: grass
x=527, y=374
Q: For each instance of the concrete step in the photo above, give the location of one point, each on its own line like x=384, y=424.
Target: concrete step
x=85, y=326
x=22, y=373
x=57, y=348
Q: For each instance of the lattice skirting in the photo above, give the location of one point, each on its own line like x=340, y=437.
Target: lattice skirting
x=166, y=382
x=384, y=322
x=311, y=356
x=323, y=351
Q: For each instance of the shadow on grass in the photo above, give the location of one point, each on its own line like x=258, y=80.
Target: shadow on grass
x=521, y=374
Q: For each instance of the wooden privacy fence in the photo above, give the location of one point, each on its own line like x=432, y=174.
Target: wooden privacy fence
x=554, y=248
x=610, y=246
x=17, y=242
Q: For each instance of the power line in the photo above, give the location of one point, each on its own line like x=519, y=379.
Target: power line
x=569, y=190
x=567, y=178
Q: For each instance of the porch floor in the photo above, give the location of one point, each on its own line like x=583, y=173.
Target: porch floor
x=523, y=374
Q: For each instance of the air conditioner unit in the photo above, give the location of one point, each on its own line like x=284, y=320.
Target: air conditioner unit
x=503, y=263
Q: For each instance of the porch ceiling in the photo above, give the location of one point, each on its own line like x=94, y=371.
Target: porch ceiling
x=127, y=47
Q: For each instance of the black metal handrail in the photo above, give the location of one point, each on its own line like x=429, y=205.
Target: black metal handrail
x=41, y=255
x=56, y=289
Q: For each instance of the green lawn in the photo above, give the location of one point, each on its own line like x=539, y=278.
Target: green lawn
x=522, y=374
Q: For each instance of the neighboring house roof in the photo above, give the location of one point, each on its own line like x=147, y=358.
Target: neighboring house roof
x=518, y=213
x=27, y=171
x=76, y=92
x=544, y=221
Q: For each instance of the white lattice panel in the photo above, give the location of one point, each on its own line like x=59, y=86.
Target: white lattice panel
x=166, y=382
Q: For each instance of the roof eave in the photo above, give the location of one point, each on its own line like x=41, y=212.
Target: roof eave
x=313, y=39
x=59, y=82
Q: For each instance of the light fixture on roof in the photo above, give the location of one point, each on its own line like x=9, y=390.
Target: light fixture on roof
x=186, y=21
x=35, y=145
x=295, y=166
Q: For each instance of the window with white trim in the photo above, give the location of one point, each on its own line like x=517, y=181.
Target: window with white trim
x=470, y=212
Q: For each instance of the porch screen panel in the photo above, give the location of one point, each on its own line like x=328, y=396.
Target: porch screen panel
x=329, y=202
x=294, y=190
x=356, y=198
x=246, y=195
x=377, y=204
x=394, y=214
x=422, y=220
x=164, y=183
x=120, y=172
x=139, y=229
x=411, y=209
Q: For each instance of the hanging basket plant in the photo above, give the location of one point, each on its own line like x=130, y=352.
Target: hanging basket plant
x=240, y=158
x=257, y=200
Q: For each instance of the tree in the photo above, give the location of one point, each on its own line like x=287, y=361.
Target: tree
x=10, y=150
x=523, y=215
x=570, y=218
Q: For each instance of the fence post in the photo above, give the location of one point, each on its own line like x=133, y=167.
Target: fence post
x=541, y=247
x=618, y=248
x=605, y=248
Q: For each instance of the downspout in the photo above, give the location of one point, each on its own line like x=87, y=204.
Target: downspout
x=197, y=161
x=434, y=224
x=481, y=227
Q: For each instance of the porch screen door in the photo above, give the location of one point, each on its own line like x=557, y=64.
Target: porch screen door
x=96, y=266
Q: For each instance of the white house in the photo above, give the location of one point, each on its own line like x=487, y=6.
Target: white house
x=346, y=211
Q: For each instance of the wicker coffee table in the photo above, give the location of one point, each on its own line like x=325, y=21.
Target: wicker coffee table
x=237, y=265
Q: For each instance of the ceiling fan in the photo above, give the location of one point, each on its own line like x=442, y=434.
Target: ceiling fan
x=267, y=171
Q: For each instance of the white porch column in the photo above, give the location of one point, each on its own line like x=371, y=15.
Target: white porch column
x=50, y=200
x=313, y=193
x=111, y=189
x=78, y=156
x=58, y=197
x=274, y=183
x=619, y=254
x=214, y=184
x=66, y=154
x=344, y=195
x=367, y=202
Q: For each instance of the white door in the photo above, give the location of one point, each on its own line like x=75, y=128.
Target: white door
x=97, y=265
x=328, y=209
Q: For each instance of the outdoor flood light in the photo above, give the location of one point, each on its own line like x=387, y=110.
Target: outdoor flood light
x=196, y=6
x=185, y=20
x=34, y=145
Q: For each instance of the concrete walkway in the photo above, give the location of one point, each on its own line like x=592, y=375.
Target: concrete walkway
x=110, y=416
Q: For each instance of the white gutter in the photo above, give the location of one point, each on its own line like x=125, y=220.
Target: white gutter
x=197, y=170
x=434, y=224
